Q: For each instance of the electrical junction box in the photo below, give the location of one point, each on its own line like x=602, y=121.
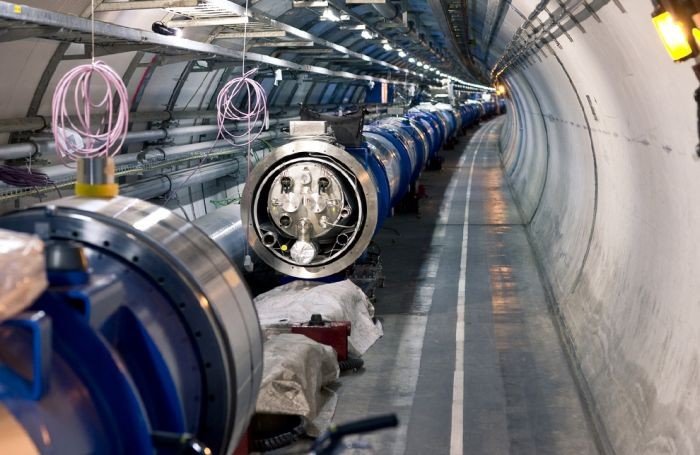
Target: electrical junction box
x=331, y=333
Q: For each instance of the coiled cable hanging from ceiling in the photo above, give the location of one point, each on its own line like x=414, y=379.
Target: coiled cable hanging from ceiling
x=107, y=138
x=76, y=139
x=255, y=116
x=91, y=146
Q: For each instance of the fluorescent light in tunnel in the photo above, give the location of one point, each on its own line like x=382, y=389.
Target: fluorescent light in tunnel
x=329, y=15
x=366, y=34
x=402, y=54
x=412, y=60
x=387, y=47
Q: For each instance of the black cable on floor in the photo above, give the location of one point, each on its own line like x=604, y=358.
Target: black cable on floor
x=351, y=364
x=278, y=441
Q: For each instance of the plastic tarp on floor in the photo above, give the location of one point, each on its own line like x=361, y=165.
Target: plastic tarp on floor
x=23, y=276
x=296, y=372
x=342, y=301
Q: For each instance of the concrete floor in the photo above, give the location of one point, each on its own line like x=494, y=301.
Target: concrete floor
x=517, y=389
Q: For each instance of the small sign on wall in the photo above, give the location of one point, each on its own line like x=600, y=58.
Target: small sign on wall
x=382, y=93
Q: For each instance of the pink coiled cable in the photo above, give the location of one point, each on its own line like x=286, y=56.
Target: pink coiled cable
x=256, y=111
x=227, y=111
x=105, y=140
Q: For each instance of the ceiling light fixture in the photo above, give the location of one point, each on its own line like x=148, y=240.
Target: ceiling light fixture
x=329, y=15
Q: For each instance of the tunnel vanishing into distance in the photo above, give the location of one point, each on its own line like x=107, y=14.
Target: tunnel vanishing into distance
x=598, y=147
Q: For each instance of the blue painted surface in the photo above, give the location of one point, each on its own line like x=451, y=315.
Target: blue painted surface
x=148, y=370
x=421, y=147
x=84, y=375
x=108, y=383
x=380, y=93
x=404, y=159
x=12, y=382
x=425, y=120
x=376, y=169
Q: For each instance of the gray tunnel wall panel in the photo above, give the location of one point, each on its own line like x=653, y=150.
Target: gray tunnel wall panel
x=633, y=312
x=562, y=224
x=511, y=130
x=525, y=154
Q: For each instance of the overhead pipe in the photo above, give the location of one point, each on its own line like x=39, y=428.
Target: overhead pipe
x=18, y=151
x=60, y=173
x=27, y=149
x=40, y=122
x=161, y=185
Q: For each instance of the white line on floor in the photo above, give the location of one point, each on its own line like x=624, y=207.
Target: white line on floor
x=426, y=273
x=457, y=434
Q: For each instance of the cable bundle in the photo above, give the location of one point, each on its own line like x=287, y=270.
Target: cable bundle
x=108, y=137
x=23, y=178
x=256, y=110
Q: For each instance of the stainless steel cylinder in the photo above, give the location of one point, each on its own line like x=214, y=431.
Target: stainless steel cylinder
x=96, y=171
x=225, y=227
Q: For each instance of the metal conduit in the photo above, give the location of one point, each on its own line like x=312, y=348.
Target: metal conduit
x=158, y=186
x=26, y=149
x=39, y=122
x=60, y=173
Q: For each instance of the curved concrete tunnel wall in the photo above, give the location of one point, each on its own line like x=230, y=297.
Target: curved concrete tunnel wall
x=599, y=149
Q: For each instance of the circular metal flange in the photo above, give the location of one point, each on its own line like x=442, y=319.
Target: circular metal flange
x=193, y=273
x=316, y=151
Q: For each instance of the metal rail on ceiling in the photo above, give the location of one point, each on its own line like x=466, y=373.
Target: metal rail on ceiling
x=533, y=37
x=20, y=21
x=261, y=25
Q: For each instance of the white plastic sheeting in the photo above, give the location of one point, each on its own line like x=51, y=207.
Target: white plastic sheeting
x=296, y=372
x=22, y=271
x=343, y=301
